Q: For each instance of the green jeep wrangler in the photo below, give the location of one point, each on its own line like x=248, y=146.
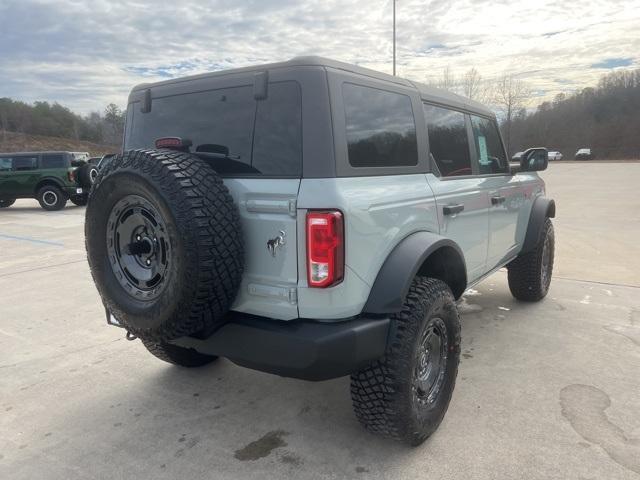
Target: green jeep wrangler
x=50, y=177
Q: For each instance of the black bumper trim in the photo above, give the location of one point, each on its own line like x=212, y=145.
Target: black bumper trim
x=304, y=349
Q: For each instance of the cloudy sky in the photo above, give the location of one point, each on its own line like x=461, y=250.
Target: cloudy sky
x=87, y=53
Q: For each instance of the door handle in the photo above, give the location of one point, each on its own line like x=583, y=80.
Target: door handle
x=452, y=209
x=497, y=200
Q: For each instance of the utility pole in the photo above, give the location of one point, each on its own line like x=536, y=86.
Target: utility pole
x=394, y=38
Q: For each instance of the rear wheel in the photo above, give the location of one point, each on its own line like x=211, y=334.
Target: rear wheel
x=79, y=200
x=51, y=197
x=7, y=203
x=529, y=274
x=405, y=394
x=185, y=357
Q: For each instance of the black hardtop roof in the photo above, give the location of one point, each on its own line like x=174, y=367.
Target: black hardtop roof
x=427, y=92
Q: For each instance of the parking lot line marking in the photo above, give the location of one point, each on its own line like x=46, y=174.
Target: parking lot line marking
x=33, y=240
x=2, y=275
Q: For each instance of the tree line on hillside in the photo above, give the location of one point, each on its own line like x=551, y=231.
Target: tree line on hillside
x=55, y=120
x=604, y=118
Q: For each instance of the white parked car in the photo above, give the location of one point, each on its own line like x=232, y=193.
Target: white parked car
x=584, y=154
x=516, y=156
x=554, y=156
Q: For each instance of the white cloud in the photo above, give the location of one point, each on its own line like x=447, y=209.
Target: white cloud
x=85, y=54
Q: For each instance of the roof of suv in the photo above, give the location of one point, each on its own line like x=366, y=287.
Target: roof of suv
x=426, y=91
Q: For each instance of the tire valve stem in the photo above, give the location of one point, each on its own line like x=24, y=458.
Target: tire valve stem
x=130, y=336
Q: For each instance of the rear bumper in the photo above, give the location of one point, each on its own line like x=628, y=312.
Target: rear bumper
x=73, y=191
x=305, y=349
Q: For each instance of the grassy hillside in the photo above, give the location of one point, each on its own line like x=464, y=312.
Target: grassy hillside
x=20, y=142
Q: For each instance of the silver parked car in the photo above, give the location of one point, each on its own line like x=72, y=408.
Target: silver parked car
x=314, y=219
x=554, y=155
x=584, y=154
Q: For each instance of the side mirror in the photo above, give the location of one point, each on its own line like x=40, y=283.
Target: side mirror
x=534, y=160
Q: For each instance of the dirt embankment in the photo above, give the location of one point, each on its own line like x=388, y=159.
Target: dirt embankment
x=20, y=142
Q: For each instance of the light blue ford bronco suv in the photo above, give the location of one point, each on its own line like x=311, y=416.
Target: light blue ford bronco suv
x=314, y=219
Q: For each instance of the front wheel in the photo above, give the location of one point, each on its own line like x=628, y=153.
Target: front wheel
x=529, y=274
x=406, y=393
x=51, y=198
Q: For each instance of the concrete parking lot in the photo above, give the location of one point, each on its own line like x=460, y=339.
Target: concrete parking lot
x=547, y=390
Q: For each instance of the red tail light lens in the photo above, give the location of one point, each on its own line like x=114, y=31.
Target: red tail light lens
x=72, y=175
x=325, y=248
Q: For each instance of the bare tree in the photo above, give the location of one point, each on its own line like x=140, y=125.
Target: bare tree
x=447, y=81
x=474, y=87
x=511, y=96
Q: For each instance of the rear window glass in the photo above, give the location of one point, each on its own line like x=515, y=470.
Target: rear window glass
x=381, y=130
x=53, y=161
x=220, y=123
x=448, y=141
x=25, y=163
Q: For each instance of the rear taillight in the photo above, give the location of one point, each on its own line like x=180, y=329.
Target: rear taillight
x=325, y=248
x=72, y=176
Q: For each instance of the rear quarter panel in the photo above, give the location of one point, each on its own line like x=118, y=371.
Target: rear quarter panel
x=378, y=213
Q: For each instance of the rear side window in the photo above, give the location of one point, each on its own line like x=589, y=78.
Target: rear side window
x=381, y=129
x=221, y=123
x=25, y=163
x=277, y=142
x=53, y=161
x=5, y=164
x=491, y=156
x=448, y=141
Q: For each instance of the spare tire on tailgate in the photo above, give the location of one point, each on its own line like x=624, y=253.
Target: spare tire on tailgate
x=87, y=175
x=164, y=243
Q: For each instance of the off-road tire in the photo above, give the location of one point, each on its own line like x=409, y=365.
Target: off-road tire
x=383, y=394
x=7, y=203
x=204, y=244
x=527, y=280
x=79, y=200
x=184, y=357
x=87, y=175
x=51, y=197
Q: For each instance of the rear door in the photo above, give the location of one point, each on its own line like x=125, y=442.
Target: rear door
x=462, y=201
x=503, y=189
x=25, y=175
x=255, y=143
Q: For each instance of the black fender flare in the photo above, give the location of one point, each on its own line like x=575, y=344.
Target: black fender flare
x=408, y=259
x=542, y=209
x=48, y=181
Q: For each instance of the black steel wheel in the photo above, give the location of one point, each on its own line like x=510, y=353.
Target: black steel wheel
x=431, y=365
x=139, y=247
